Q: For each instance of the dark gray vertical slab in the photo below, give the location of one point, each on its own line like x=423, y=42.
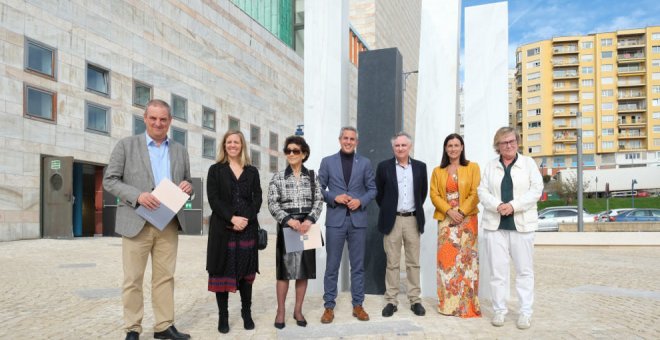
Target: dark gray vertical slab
x=379, y=118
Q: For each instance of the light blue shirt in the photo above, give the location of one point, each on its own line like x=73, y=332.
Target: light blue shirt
x=404, y=179
x=160, y=159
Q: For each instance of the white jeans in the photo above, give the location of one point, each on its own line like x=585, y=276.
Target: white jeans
x=520, y=246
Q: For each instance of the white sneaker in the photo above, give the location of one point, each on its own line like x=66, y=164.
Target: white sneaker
x=524, y=321
x=498, y=319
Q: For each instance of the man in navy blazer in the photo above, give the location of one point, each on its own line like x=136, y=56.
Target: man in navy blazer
x=402, y=188
x=348, y=186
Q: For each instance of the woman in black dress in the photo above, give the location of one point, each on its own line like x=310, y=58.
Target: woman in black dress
x=295, y=201
x=234, y=193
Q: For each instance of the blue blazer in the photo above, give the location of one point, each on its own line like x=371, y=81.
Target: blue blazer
x=362, y=186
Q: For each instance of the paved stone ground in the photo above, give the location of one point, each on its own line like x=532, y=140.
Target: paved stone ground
x=63, y=289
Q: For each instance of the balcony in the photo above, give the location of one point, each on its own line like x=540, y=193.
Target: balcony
x=631, y=95
x=633, y=107
x=628, y=83
x=565, y=62
x=565, y=49
x=558, y=113
x=566, y=88
x=630, y=56
x=564, y=151
x=565, y=137
x=631, y=146
x=568, y=74
x=623, y=122
x=632, y=135
x=565, y=101
x=630, y=69
x=565, y=126
x=630, y=43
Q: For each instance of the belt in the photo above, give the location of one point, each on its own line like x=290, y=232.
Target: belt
x=406, y=214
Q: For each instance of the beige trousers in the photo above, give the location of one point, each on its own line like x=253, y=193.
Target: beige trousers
x=406, y=233
x=162, y=245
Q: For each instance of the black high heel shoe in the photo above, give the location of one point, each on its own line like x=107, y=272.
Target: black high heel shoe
x=301, y=323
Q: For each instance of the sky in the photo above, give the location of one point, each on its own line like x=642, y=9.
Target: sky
x=534, y=20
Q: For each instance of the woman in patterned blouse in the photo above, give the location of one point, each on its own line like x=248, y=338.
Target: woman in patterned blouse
x=295, y=201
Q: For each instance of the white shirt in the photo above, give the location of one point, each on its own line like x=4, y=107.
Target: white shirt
x=404, y=179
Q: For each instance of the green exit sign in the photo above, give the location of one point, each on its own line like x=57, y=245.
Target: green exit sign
x=188, y=205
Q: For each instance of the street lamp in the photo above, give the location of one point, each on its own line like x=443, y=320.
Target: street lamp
x=632, y=191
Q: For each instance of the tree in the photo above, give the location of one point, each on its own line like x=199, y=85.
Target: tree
x=568, y=187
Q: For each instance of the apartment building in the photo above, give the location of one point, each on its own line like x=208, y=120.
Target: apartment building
x=611, y=80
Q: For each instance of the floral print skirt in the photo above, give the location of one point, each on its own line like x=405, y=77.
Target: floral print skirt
x=458, y=268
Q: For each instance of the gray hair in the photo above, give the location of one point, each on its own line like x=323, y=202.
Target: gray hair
x=349, y=128
x=157, y=103
x=501, y=132
x=400, y=134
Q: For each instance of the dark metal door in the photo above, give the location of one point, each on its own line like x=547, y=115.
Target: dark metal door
x=57, y=202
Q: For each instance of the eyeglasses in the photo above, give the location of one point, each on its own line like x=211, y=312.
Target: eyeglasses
x=292, y=151
x=508, y=142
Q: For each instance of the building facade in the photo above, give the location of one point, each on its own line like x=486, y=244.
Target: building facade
x=611, y=80
x=75, y=76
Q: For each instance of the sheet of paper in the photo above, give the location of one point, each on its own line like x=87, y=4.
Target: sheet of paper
x=171, y=198
x=294, y=241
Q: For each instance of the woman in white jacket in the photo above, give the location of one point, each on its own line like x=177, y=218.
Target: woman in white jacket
x=511, y=185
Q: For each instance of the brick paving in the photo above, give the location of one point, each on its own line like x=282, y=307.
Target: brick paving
x=64, y=289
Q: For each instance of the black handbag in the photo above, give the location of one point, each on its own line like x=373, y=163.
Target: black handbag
x=262, y=239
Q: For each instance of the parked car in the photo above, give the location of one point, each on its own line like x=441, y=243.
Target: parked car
x=549, y=219
x=639, y=215
x=561, y=207
x=609, y=215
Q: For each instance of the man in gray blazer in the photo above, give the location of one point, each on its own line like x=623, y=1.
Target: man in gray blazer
x=137, y=164
x=348, y=185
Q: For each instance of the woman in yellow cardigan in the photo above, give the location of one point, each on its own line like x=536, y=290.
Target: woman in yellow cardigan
x=454, y=194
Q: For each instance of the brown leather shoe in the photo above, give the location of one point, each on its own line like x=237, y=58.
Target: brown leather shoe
x=328, y=315
x=360, y=314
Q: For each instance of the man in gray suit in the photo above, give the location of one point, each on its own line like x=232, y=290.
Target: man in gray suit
x=137, y=164
x=348, y=185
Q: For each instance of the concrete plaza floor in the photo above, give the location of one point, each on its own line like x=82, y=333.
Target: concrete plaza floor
x=70, y=289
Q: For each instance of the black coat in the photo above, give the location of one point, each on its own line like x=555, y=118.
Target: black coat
x=218, y=189
x=388, y=193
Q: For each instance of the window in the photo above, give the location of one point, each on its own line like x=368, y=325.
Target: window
x=533, y=137
x=179, y=107
x=208, y=147
x=656, y=115
x=40, y=58
x=138, y=125
x=533, y=125
x=141, y=94
x=256, y=158
x=587, y=57
x=534, y=88
x=655, y=76
x=656, y=102
x=606, y=54
x=606, y=80
x=534, y=75
x=98, y=79
x=655, y=36
x=587, y=108
x=97, y=118
x=40, y=103
x=655, y=89
x=655, y=62
x=634, y=155
x=656, y=142
x=534, y=100
x=588, y=133
x=607, y=145
x=535, y=63
x=608, y=132
x=558, y=161
x=208, y=118
x=606, y=67
x=607, y=119
x=255, y=135
x=588, y=146
x=272, y=141
x=587, y=44
x=587, y=70
x=588, y=160
x=587, y=120
x=234, y=124
x=535, y=149
x=533, y=51
x=606, y=42
x=587, y=95
x=655, y=49
x=533, y=112
x=587, y=82
x=272, y=163
x=179, y=136
x=607, y=106
x=656, y=128
x=607, y=93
